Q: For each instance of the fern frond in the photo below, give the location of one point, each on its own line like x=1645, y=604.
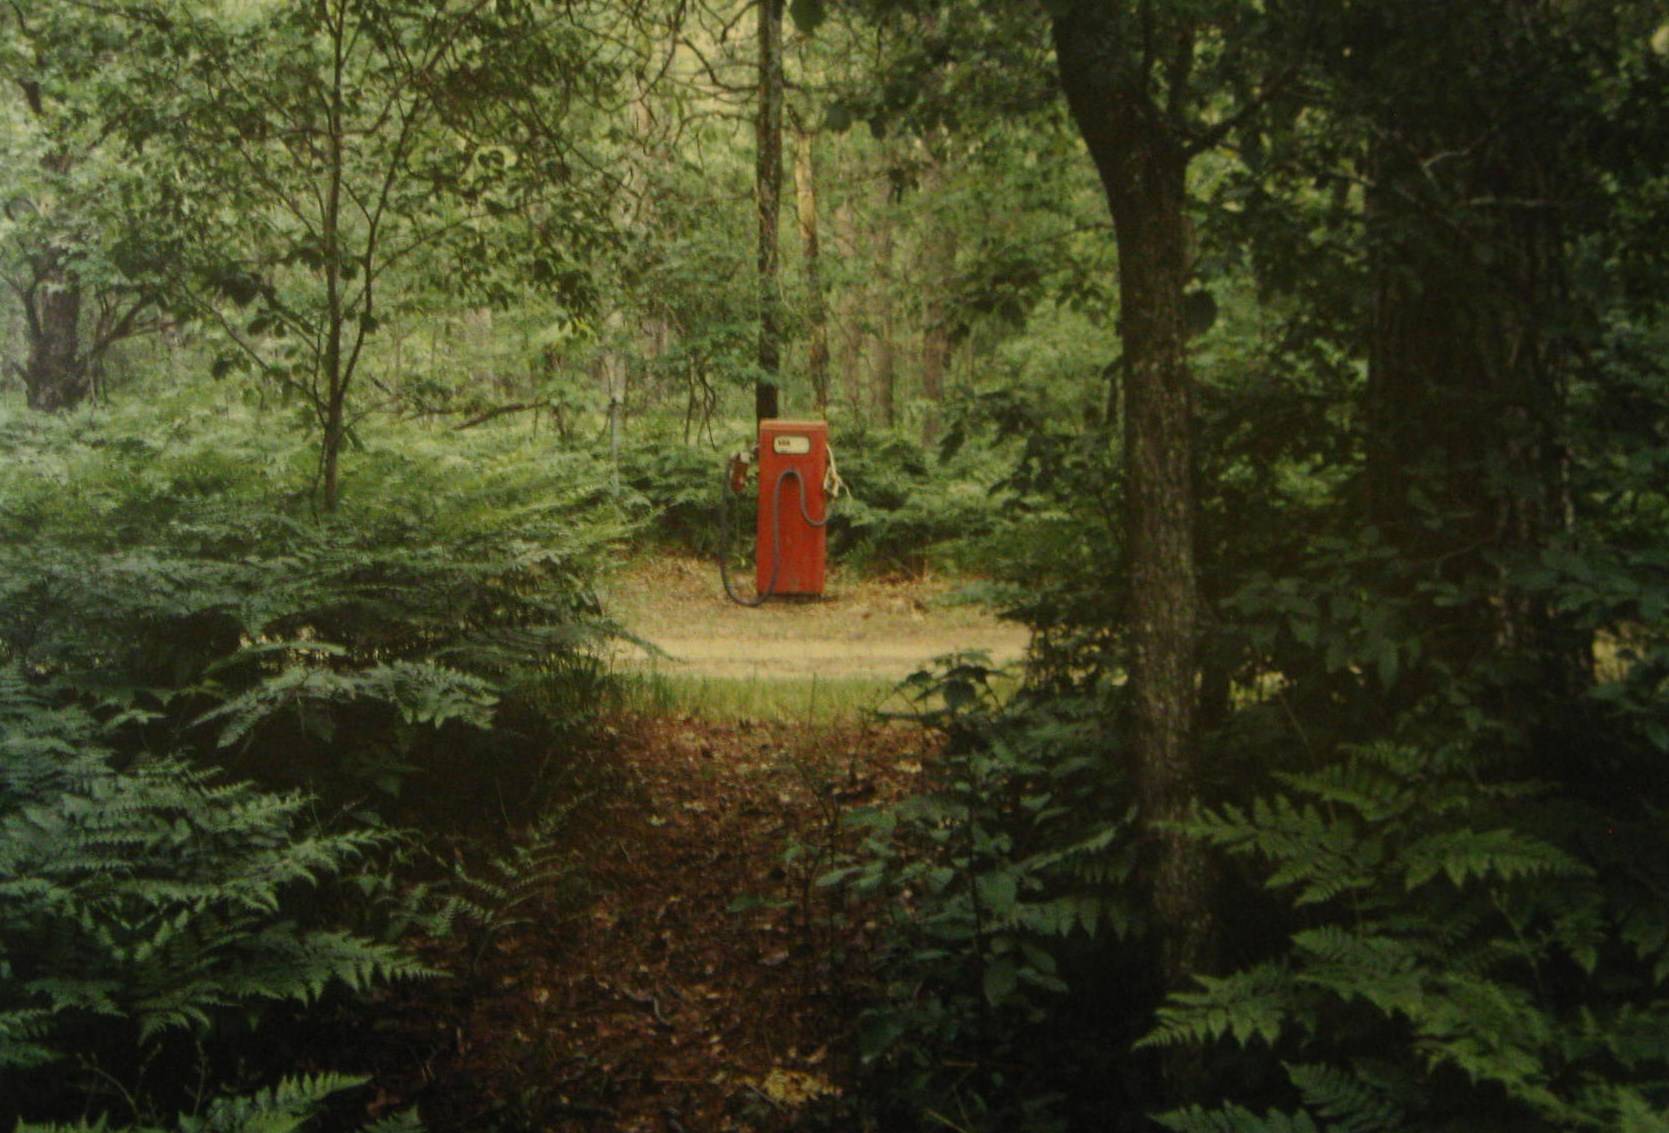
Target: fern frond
x=283, y=1108
x=1499, y=855
x=1629, y=1111
x=1371, y=790
x=405, y=1121
x=1234, y=1119
x=1349, y=1102
x=1252, y=1004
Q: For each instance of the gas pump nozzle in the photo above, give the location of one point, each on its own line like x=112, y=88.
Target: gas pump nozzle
x=736, y=471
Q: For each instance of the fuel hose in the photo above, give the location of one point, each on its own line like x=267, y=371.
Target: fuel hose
x=727, y=532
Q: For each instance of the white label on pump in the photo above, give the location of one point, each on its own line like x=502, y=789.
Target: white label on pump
x=790, y=444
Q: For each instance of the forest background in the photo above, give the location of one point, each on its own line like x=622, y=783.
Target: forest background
x=1294, y=368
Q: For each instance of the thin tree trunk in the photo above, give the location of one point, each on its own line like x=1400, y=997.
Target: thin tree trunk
x=335, y=375
x=335, y=379
x=805, y=195
x=849, y=308
x=768, y=188
x=653, y=332
x=612, y=367
x=883, y=314
x=938, y=260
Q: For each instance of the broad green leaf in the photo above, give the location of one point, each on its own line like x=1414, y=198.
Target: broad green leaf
x=807, y=14
x=1001, y=977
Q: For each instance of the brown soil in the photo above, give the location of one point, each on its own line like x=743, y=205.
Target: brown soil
x=658, y=1005
x=861, y=627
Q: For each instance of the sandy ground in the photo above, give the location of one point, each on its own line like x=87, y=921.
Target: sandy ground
x=860, y=628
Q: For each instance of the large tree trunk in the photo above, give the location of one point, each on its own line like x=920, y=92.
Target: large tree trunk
x=1464, y=415
x=1143, y=168
x=768, y=189
x=56, y=376
x=1464, y=447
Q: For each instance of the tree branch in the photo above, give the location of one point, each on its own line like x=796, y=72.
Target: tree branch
x=500, y=411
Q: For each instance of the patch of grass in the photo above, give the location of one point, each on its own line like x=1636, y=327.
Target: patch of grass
x=809, y=700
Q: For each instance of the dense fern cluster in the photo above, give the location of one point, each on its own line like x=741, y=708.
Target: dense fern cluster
x=1432, y=793
x=291, y=1104
x=1465, y=952
x=144, y=901
x=170, y=605
x=186, y=575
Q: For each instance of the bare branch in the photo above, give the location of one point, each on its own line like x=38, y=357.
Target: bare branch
x=500, y=411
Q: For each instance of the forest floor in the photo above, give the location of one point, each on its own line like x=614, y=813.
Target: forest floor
x=689, y=977
x=861, y=628
x=696, y=982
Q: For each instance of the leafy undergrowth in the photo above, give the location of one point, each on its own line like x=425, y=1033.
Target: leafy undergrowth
x=702, y=983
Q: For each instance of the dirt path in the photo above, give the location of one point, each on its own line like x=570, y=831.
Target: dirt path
x=861, y=628
x=662, y=1004
x=686, y=984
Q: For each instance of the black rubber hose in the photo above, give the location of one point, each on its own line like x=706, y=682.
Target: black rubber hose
x=727, y=533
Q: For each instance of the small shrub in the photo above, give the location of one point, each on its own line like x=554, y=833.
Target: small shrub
x=679, y=485
x=989, y=883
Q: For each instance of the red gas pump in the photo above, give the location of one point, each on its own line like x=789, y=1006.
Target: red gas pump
x=791, y=544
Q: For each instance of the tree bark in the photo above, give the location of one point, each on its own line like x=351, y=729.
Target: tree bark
x=1465, y=415
x=883, y=315
x=333, y=363
x=805, y=196
x=768, y=190
x=849, y=311
x=938, y=265
x=1143, y=168
x=56, y=376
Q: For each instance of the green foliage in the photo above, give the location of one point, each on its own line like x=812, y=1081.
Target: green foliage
x=144, y=902
x=1235, y=1119
x=86, y=235
x=908, y=508
x=184, y=576
x=316, y=147
x=1057, y=541
x=680, y=485
x=989, y=881
x=171, y=605
x=512, y=889
x=1431, y=743
x=903, y=509
x=1466, y=950
x=291, y=1105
